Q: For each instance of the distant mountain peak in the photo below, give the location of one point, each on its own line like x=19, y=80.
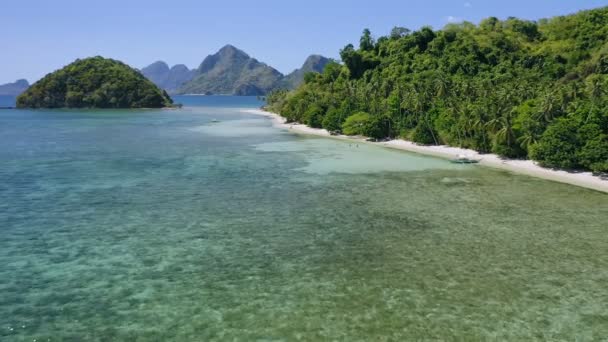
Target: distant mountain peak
x=226, y=56
x=314, y=58
x=230, y=48
x=232, y=71
x=157, y=66
x=169, y=79
x=160, y=63
x=179, y=67
x=22, y=82
x=14, y=89
x=314, y=63
x=229, y=71
x=230, y=51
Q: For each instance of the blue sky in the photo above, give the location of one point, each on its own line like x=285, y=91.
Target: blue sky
x=39, y=36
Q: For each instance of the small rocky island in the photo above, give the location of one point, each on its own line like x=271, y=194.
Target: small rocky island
x=94, y=82
x=14, y=89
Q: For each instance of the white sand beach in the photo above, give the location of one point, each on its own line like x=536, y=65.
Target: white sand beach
x=526, y=167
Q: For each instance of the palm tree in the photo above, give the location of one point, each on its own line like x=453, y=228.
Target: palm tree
x=526, y=140
x=595, y=88
x=547, y=106
x=502, y=127
x=441, y=85
x=572, y=91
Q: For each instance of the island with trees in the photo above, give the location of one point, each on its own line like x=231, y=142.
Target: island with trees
x=94, y=82
x=517, y=88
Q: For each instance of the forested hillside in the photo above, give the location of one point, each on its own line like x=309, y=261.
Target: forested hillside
x=94, y=82
x=521, y=89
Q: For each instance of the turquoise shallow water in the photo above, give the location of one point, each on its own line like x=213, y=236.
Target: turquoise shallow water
x=163, y=225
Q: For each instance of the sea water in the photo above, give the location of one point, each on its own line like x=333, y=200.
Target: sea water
x=208, y=223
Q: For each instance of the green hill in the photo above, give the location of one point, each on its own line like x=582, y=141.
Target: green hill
x=521, y=89
x=94, y=82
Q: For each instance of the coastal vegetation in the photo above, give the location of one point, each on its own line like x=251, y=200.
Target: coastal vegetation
x=94, y=82
x=517, y=88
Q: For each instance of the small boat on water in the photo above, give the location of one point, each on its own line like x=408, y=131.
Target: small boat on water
x=464, y=159
x=215, y=120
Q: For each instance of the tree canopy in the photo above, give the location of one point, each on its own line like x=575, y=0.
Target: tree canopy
x=518, y=88
x=94, y=82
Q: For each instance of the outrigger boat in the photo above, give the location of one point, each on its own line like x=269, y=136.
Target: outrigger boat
x=463, y=159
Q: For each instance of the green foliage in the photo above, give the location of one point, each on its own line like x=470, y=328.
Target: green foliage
x=333, y=120
x=558, y=145
x=357, y=124
x=517, y=88
x=94, y=82
x=398, y=32
x=362, y=123
x=424, y=134
x=358, y=61
x=367, y=42
x=593, y=154
x=313, y=116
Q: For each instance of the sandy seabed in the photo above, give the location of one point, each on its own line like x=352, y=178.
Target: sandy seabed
x=526, y=167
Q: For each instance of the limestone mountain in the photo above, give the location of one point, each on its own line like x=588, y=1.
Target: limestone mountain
x=15, y=88
x=232, y=72
x=169, y=79
x=314, y=63
x=95, y=82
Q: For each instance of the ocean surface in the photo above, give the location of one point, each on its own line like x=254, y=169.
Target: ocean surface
x=7, y=101
x=207, y=223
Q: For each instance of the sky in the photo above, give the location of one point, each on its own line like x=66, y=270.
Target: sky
x=40, y=36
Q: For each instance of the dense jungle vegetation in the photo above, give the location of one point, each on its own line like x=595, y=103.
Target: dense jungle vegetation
x=95, y=82
x=518, y=88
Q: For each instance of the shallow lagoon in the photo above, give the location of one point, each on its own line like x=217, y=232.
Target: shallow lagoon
x=164, y=225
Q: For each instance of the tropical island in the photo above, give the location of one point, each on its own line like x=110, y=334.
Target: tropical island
x=352, y=217
x=94, y=82
x=517, y=88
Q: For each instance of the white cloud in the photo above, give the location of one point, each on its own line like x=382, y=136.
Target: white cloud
x=452, y=19
x=468, y=4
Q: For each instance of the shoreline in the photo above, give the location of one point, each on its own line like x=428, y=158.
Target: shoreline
x=523, y=167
